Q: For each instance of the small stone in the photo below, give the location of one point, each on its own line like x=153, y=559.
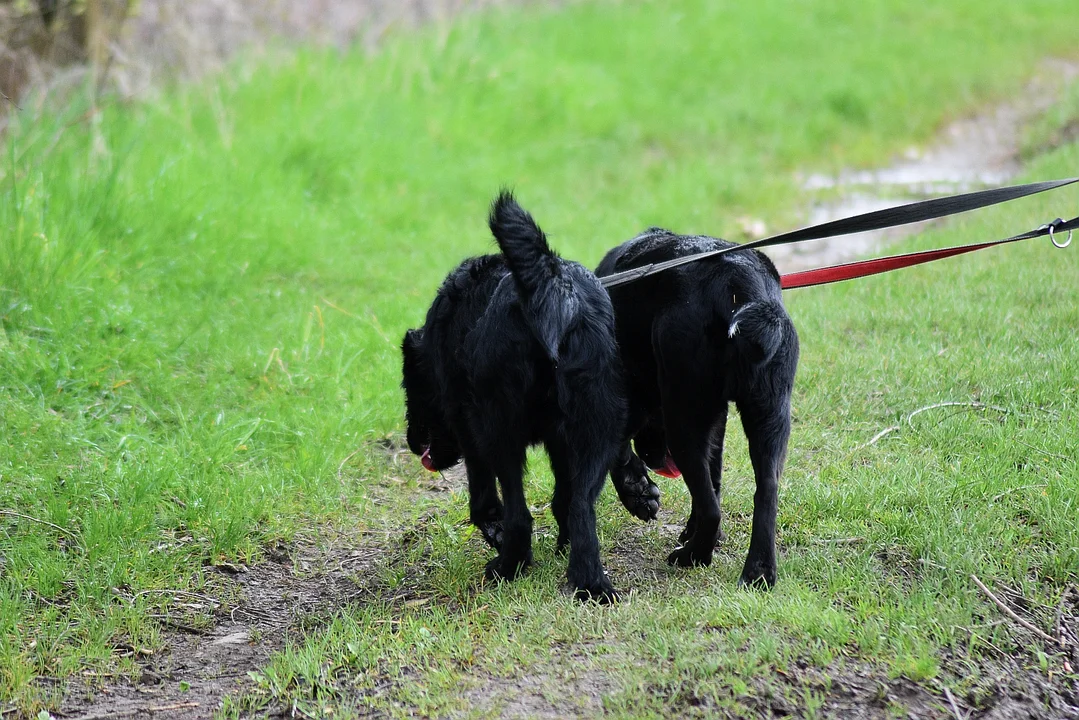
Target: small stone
x=237, y=638
x=230, y=568
x=149, y=677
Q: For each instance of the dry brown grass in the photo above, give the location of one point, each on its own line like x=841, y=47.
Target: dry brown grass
x=163, y=40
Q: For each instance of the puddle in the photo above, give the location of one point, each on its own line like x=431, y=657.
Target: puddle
x=970, y=154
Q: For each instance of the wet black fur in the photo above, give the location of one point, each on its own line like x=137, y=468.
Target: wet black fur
x=519, y=349
x=693, y=339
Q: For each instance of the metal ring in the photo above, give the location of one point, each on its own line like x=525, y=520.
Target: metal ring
x=1053, y=239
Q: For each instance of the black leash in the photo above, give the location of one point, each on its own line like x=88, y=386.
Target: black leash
x=877, y=220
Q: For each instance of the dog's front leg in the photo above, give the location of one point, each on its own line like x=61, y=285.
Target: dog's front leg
x=635, y=488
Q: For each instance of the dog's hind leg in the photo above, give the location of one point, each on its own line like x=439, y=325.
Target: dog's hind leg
x=485, y=509
x=768, y=430
x=560, y=502
x=580, y=475
x=692, y=406
x=516, y=552
x=582, y=445
x=715, y=472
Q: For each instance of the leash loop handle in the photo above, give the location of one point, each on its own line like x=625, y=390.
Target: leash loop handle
x=875, y=266
x=1052, y=234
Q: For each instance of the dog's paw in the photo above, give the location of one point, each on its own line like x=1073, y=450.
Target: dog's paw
x=691, y=530
x=492, y=533
x=757, y=576
x=600, y=592
x=507, y=569
x=689, y=555
x=640, y=496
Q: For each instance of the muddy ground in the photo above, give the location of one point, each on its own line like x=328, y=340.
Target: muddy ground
x=287, y=596
x=972, y=153
x=296, y=590
x=208, y=658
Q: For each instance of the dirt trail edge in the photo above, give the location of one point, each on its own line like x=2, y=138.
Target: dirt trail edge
x=972, y=153
x=261, y=607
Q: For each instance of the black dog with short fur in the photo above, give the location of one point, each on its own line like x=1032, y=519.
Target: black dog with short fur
x=519, y=349
x=693, y=339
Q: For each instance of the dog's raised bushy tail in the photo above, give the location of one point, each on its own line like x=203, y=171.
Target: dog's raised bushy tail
x=763, y=324
x=548, y=298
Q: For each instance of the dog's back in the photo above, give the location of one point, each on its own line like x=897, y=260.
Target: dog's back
x=525, y=323
x=736, y=298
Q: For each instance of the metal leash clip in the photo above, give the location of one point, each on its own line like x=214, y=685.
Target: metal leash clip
x=1052, y=237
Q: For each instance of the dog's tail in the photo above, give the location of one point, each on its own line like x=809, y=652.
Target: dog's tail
x=764, y=325
x=548, y=298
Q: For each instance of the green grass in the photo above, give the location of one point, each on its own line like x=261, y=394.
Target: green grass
x=202, y=297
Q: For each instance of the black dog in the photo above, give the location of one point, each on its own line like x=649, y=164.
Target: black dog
x=694, y=338
x=519, y=349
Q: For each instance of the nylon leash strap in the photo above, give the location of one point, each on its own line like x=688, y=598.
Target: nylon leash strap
x=864, y=268
x=878, y=220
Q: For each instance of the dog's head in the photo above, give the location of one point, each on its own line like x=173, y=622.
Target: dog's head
x=651, y=446
x=427, y=433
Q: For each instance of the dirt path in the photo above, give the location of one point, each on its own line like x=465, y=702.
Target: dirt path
x=970, y=154
x=296, y=591
x=244, y=615
x=255, y=611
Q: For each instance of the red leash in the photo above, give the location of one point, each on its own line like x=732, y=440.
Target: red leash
x=864, y=268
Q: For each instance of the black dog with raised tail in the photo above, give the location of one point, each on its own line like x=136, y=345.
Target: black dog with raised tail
x=519, y=349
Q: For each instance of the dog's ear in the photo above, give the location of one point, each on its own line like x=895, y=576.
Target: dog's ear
x=410, y=348
x=411, y=343
x=413, y=366
x=417, y=393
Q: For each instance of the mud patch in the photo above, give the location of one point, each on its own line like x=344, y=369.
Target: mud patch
x=846, y=691
x=567, y=688
x=859, y=691
x=1025, y=680
x=256, y=612
x=802, y=690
